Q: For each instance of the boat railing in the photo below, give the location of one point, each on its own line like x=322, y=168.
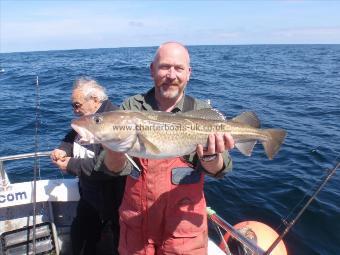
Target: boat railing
x=250, y=245
x=4, y=181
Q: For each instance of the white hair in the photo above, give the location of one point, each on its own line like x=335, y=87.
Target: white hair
x=90, y=88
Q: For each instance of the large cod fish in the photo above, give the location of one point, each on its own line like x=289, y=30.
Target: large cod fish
x=160, y=135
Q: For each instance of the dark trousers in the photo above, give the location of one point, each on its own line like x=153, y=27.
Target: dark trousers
x=88, y=224
x=86, y=229
x=114, y=192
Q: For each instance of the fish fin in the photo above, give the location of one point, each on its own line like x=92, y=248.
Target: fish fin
x=246, y=148
x=205, y=113
x=248, y=118
x=273, y=144
x=149, y=146
x=132, y=162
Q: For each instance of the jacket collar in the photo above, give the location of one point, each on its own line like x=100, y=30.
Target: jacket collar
x=149, y=102
x=107, y=106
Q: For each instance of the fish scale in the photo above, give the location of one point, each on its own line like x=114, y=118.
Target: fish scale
x=161, y=135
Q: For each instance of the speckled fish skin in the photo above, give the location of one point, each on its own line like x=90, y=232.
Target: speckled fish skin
x=160, y=135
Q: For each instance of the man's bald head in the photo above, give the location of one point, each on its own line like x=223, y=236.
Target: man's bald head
x=171, y=71
x=170, y=46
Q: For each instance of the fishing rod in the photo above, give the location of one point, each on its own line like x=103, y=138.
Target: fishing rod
x=292, y=223
x=36, y=163
x=253, y=248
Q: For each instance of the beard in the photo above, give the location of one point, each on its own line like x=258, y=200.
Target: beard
x=169, y=93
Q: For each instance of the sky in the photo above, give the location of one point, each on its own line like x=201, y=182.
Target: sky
x=65, y=24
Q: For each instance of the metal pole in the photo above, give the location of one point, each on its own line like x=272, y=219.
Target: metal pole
x=292, y=223
x=234, y=233
x=4, y=182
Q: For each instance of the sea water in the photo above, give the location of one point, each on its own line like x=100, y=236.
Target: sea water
x=295, y=87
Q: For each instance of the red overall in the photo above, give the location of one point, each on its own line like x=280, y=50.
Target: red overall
x=163, y=211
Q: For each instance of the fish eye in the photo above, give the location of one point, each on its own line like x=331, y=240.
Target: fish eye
x=97, y=119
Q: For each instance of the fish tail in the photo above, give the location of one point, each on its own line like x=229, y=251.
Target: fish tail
x=275, y=139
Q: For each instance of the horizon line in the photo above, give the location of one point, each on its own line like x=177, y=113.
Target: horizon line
x=155, y=46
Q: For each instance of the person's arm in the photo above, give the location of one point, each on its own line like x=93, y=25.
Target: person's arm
x=219, y=144
x=115, y=162
x=61, y=155
x=215, y=160
x=57, y=154
x=69, y=164
x=80, y=166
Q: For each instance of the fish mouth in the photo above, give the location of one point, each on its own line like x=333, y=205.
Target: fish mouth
x=86, y=137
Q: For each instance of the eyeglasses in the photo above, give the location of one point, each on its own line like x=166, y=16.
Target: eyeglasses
x=76, y=105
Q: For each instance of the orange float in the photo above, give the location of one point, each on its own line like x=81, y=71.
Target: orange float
x=260, y=233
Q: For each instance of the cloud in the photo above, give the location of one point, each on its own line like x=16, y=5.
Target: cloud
x=329, y=35
x=315, y=32
x=136, y=24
